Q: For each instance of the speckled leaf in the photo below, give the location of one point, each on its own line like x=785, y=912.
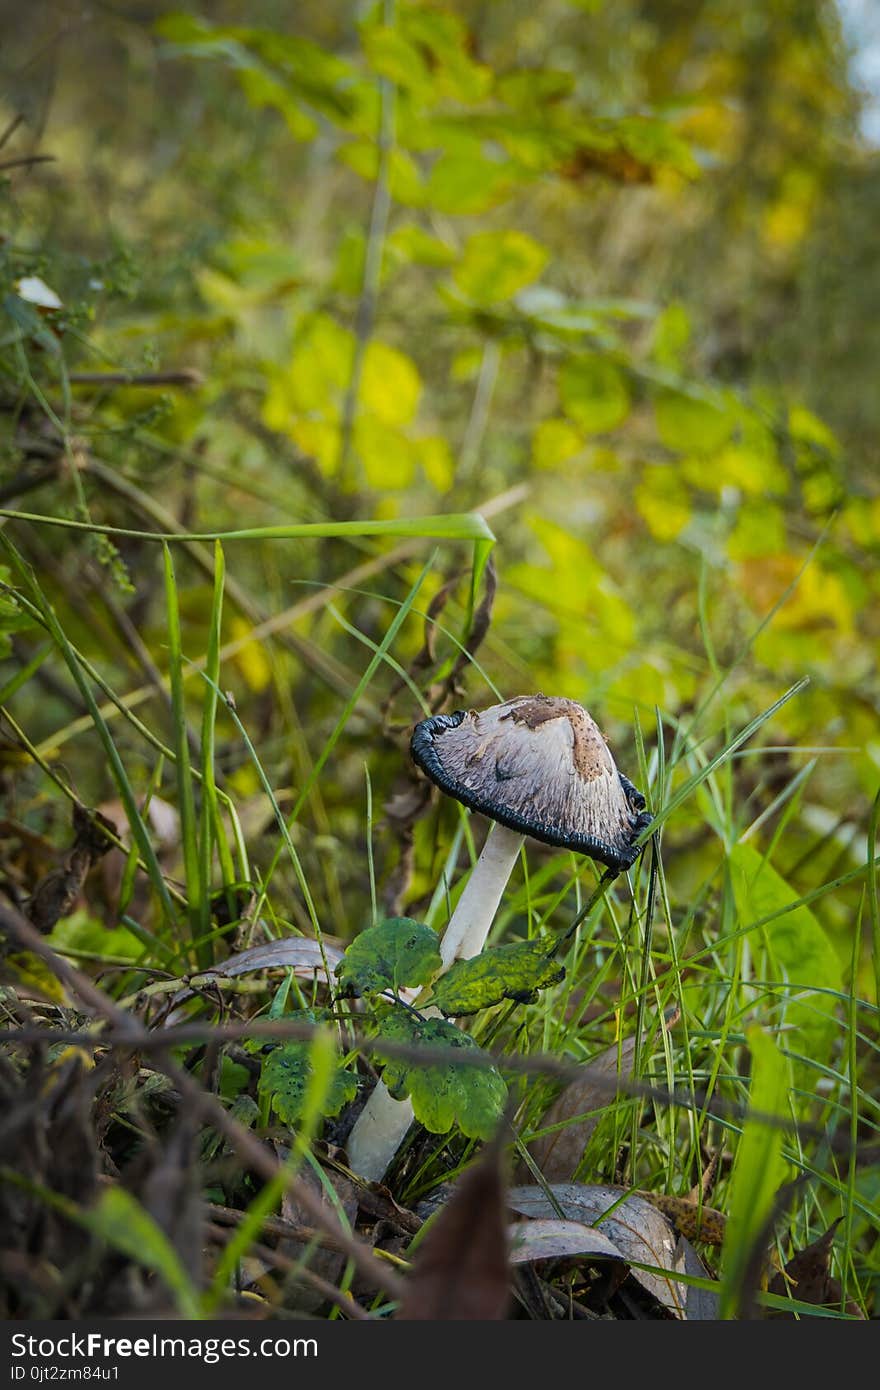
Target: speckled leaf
x=393, y=955
x=516, y=971
x=284, y=1077
x=442, y=1094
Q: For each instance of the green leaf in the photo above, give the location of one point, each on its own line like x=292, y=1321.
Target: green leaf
x=12, y=616
x=594, y=393
x=286, y=1073
x=759, y=1169
x=801, y=953
x=496, y=265
x=518, y=971
x=393, y=955
x=445, y=1094
x=81, y=932
x=692, y=423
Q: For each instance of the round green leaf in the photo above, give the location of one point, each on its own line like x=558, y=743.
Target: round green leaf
x=284, y=1078
x=442, y=1095
x=396, y=954
x=594, y=393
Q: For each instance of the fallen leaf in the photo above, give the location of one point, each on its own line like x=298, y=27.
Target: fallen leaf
x=300, y=954
x=807, y=1277
x=637, y=1229
x=552, y=1239
x=558, y=1154
x=461, y=1270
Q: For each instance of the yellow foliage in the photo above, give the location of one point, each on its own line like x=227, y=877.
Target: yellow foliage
x=555, y=442
x=387, y=456
x=663, y=501
x=250, y=659
x=819, y=600
x=390, y=385
x=437, y=461
x=319, y=439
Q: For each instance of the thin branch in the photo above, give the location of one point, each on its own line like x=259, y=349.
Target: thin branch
x=185, y=376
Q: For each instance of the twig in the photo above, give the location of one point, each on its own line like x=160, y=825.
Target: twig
x=540, y=1064
x=344, y=1301
x=184, y=376
x=26, y=159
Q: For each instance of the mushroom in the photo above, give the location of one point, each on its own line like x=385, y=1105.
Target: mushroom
x=539, y=767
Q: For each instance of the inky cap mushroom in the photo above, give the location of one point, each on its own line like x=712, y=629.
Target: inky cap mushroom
x=538, y=765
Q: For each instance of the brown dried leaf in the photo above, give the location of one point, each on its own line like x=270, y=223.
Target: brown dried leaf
x=807, y=1277
x=56, y=894
x=327, y=1264
x=461, y=1270
x=635, y=1227
x=299, y=953
x=558, y=1155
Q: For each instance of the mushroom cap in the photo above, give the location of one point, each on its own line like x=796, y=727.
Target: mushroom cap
x=537, y=764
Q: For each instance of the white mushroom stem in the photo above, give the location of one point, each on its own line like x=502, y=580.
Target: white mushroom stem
x=474, y=914
x=382, y=1124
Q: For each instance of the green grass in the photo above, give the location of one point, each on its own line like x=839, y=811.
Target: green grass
x=669, y=934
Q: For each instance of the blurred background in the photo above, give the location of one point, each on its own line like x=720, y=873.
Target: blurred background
x=606, y=271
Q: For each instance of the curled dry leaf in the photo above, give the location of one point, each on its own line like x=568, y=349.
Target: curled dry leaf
x=298, y=953
x=56, y=894
x=637, y=1229
x=551, y=1239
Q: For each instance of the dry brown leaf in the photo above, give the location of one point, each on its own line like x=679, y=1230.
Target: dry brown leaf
x=461, y=1271
x=807, y=1277
x=558, y=1155
x=299, y=953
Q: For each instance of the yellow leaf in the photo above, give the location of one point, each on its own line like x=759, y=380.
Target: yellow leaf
x=594, y=393
x=388, y=457
x=437, y=461
x=319, y=440
x=692, y=423
x=390, y=385
x=33, y=979
x=820, y=599
x=808, y=429
x=496, y=265
x=320, y=368
x=555, y=442
x=251, y=659
x=663, y=501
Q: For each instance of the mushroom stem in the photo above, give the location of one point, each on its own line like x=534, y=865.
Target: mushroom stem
x=382, y=1124
x=470, y=923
